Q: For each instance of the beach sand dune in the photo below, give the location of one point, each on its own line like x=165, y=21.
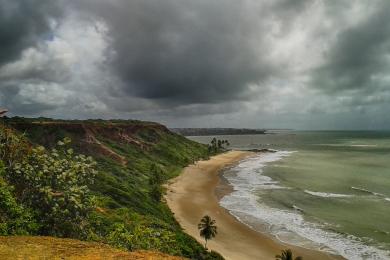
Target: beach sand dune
x=192, y=195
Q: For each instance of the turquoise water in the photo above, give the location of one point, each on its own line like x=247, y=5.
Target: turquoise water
x=330, y=190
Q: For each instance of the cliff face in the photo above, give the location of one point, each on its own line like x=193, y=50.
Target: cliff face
x=90, y=138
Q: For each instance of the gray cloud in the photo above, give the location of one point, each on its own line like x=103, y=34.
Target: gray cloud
x=283, y=63
x=23, y=24
x=186, y=51
x=15, y=101
x=359, y=58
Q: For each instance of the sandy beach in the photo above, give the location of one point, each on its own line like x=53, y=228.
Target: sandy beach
x=192, y=195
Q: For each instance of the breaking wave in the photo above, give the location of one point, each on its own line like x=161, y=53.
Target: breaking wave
x=327, y=194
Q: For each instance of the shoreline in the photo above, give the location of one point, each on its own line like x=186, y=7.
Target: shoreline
x=197, y=191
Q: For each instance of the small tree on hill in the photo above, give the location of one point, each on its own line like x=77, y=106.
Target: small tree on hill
x=207, y=228
x=156, y=192
x=155, y=180
x=156, y=175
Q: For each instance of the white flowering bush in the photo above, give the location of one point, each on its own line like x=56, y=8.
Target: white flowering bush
x=55, y=184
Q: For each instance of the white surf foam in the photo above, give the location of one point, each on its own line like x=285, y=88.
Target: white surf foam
x=327, y=194
x=288, y=225
x=350, y=145
x=368, y=191
x=363, y=145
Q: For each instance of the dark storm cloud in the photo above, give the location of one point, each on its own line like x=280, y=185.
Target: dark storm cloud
x=23, y=23
x=290, y=8
x=185, y=51
x=292, y=4
x=183, y=60
x=24, y=26
x=359, y=59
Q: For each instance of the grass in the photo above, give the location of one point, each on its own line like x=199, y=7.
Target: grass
x=25, y=247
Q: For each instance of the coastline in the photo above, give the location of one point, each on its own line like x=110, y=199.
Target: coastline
x=194, y=194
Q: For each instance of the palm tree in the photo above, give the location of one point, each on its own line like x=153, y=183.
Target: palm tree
x=207, y=228
x=287, y=255
x=219, y=144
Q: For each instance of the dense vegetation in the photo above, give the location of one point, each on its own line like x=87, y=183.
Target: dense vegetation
x=115, y=198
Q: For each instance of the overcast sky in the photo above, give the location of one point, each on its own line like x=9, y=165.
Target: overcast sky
x=206, y=63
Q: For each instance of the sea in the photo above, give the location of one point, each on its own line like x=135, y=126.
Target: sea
x=323, y=190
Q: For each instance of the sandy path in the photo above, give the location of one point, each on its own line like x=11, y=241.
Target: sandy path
x=192, y=195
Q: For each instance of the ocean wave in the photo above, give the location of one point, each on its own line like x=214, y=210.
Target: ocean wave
x=289, y=226
x=327, y=194
x=368, y=191
x=363, y=145
x=297, y=208
x=350, y=145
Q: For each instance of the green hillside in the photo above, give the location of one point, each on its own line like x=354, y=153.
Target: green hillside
x=133, y=159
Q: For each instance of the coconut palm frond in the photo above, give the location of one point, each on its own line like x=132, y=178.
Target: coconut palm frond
x=207, y=228
x=287, y=255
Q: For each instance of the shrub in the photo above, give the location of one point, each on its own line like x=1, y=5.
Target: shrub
x=13, y=147
x=14, y=218
x=156, y=192
x=156, y=175
x=143, y=237
x=55, y=184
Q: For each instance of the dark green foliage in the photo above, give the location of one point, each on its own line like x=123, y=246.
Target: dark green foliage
x=14, y=218
x=155, y=181
x=156, y=192
x=13, y=147
x=287, y=255
x=207, y=228
x=156, y=175
x=216, y=255
x=217, y=146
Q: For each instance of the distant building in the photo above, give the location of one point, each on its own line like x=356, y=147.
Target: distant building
x=3, y=111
